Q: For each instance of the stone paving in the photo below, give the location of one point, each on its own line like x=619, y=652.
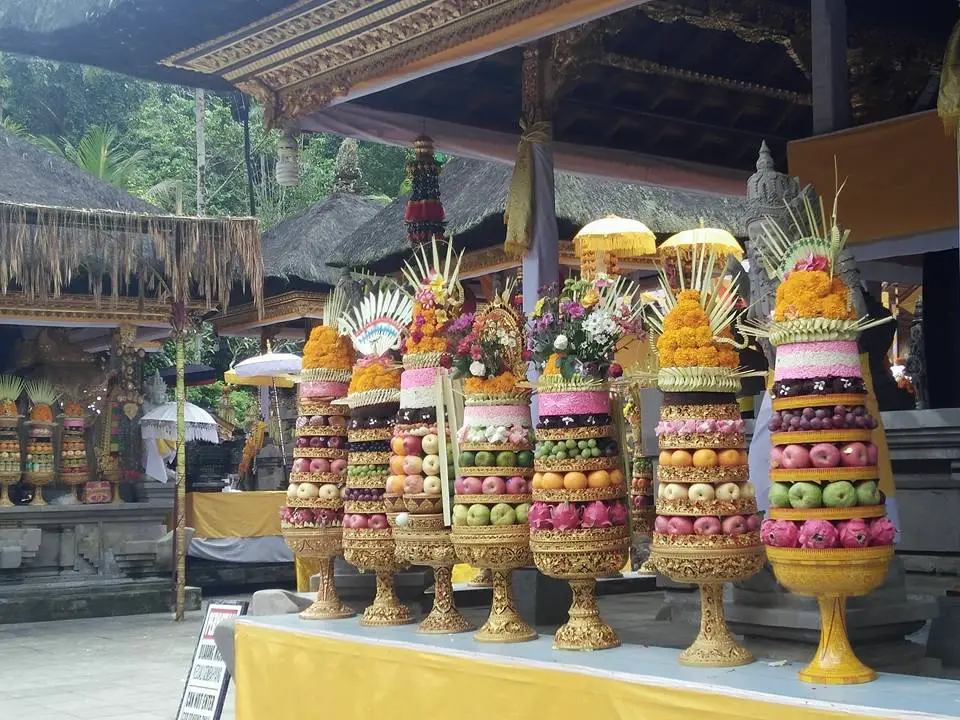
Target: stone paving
x=134, y=667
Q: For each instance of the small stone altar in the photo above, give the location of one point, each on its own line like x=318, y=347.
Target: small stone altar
x=67, y=561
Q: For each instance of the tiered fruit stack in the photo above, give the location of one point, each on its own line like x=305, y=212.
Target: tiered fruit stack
x=74, y=470
x=642, y=513
x=40, y=467
x=376, y=329
x=707, y=529
x=827, y=532
x=11, y=387
x=579, y=519
x=495, y=465
x=422, y=459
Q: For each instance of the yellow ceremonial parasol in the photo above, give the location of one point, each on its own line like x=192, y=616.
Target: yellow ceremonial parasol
x=614, y=234
x=719, y=241
x=281, y=381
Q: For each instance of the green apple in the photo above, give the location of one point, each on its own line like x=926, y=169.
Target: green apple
x=779, y=495
x=522, y=511
x=840, y=494
x=478, y=515
x=805, y=495
x=503, y=514
x=468, y=459
x=525, y=459
x=460, y=515
x=506, y=459
x=484, y=459
x=868, y=493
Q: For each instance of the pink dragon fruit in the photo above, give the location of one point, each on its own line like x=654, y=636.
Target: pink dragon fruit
x=618, y=513
x=596, y=515
x=565, y=516
x=326, y=517
x=661, y=524
x=818, y=535
x=302, y=517
x=853, y=533
x=882, y=532
x=779, y=533
x=286, y=513
x=538, y=516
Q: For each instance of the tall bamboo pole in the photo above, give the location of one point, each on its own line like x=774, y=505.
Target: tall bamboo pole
x=181, y=516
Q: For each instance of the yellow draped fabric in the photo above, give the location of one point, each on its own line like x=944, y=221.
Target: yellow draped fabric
x=239, y=514
x=520, y=200
x=306, y=569
x=948, y=100
x=414, y=683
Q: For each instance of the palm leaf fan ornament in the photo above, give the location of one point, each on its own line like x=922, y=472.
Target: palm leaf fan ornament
x=42, y=396
x=335, y=307
x=377, y=325
x=11, y=387
x=429, y=269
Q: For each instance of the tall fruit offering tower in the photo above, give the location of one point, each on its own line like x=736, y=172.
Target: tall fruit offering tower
x=707, y=531
x=579, y=519
x=420, y=466
x=827, y=535
x=11, y=387
x=495, y=465
x=312, y=520
x=376, y=328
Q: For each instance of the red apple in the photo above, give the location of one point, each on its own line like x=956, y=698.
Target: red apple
x=319, y=465
x=493, y=485
x=412, y=445
x=662, y=524
x=679, y=526
x=338, y=465
x=706, y=526
x=301, y=465
x=872, y=454
x=413, y=484
x=824, y=455
x=753, y=523
x=854, y=455
x=472, y=485
x=458, y=486
x=795, y=457
x=377, y=522
x=776, y=456
x=516, y=485
x=412, y=465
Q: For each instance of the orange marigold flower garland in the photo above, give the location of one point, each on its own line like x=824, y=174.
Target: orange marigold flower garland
x=427, y=330
x=813, y=294
x=379, y=374
x=501, y=384
x=328, y=349
x=686, y=340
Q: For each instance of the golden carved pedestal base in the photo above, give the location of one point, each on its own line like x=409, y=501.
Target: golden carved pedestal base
x=386, y=608
x=5, y=484
x=835, y=663
x=585, y=630
x=714, y=646
x=504, y=625
x=444, y=617
x=327, y=605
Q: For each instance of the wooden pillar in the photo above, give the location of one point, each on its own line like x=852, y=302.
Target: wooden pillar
x=831, y=97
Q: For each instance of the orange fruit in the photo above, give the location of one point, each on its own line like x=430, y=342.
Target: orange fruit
x=743, y=458
x=681, y=458
x=705, y=458
x=665, y=457
x=729, y=458
x=551, y=481
x=537, y=481
x=616, y=477
x=574, y=481
x=600, y=479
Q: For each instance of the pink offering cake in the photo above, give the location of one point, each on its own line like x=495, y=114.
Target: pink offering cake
x=819, y=359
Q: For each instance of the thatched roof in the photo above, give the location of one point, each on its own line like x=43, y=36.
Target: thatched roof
x=301, y=246
x=58, y=224
x=474, y=195
x=32, y=176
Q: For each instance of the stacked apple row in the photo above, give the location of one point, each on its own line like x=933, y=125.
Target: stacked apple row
x=578, y=483
x=414, y=484
x=495, y=465
x=704, y=487
x=642, y=507
x=316, y=490
x=369, y=437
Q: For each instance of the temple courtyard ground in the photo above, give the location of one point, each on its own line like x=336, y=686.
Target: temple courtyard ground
x=134, y=667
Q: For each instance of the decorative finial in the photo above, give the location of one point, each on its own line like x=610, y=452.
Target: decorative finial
x=765, y=159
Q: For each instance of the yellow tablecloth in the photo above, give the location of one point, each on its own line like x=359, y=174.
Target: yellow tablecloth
x=364, y=673
x=239, y=514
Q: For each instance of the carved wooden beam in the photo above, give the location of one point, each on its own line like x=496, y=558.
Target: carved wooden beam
x=649, y=67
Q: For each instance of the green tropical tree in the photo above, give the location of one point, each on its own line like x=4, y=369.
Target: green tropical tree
x=100, y=153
